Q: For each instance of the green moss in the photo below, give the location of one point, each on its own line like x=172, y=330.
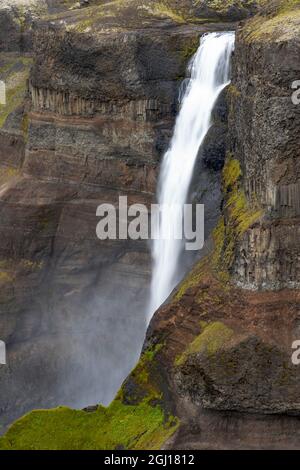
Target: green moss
x=6, y=173
x=84, y=25
x=231, y=173
x=10, y=267
x=23, y=13
x=280, y=25
x=219, y=236
x=193, y=279
x=222, y=6
x=124, y=14
x=162, y=9
x=213, y=337
x=118, y=426
x=288, y=5
x=233, y=91
x=14, y=98
x=22, y=18
x=6, y=277
x=190, y=48
x=143, y=425
x=141, y=375
x=31, y=265
x=239, y=212
x=238, y=217
x=84, y=20
x=14, y=71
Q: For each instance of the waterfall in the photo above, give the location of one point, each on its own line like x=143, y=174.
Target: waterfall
x=209, y=75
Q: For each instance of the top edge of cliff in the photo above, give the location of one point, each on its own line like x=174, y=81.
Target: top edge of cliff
x=99, y=16
x=278, y=21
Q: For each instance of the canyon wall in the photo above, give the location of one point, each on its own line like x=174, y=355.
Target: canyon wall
x=88, y=117
x=265, y=140
x=216, y=370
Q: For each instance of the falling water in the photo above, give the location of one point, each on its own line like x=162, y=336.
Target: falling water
x=209, y=71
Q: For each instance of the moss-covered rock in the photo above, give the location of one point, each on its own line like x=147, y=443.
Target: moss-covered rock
x=210, y=340
x=124, y=14
x=14, y=72
x=136, y=419
x=120, y=426
x=279, y=21
x=264, y=138
x=238, y=216
x=227, y=369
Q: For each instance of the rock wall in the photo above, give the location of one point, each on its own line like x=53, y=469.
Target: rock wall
x=264, y=138
x=88, y=124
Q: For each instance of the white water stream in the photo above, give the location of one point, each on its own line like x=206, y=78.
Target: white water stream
x=209, y=72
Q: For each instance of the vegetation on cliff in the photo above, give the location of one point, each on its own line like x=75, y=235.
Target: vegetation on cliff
x=279, y=21
x=128, y=13
x=14, y=72
x=238, y=215
x=117, y=427
x=212, y=337
x=136, y=419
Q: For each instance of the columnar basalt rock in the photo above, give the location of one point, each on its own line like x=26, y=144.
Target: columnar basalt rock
x=264, y=137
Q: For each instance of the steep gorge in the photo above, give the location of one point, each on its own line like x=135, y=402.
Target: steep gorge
x=76, y=134
x=217, y=358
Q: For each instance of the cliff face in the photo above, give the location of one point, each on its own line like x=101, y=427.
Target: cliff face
x=90, y=110
x=216, y=368
x=265, y=140
x=16, y=23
